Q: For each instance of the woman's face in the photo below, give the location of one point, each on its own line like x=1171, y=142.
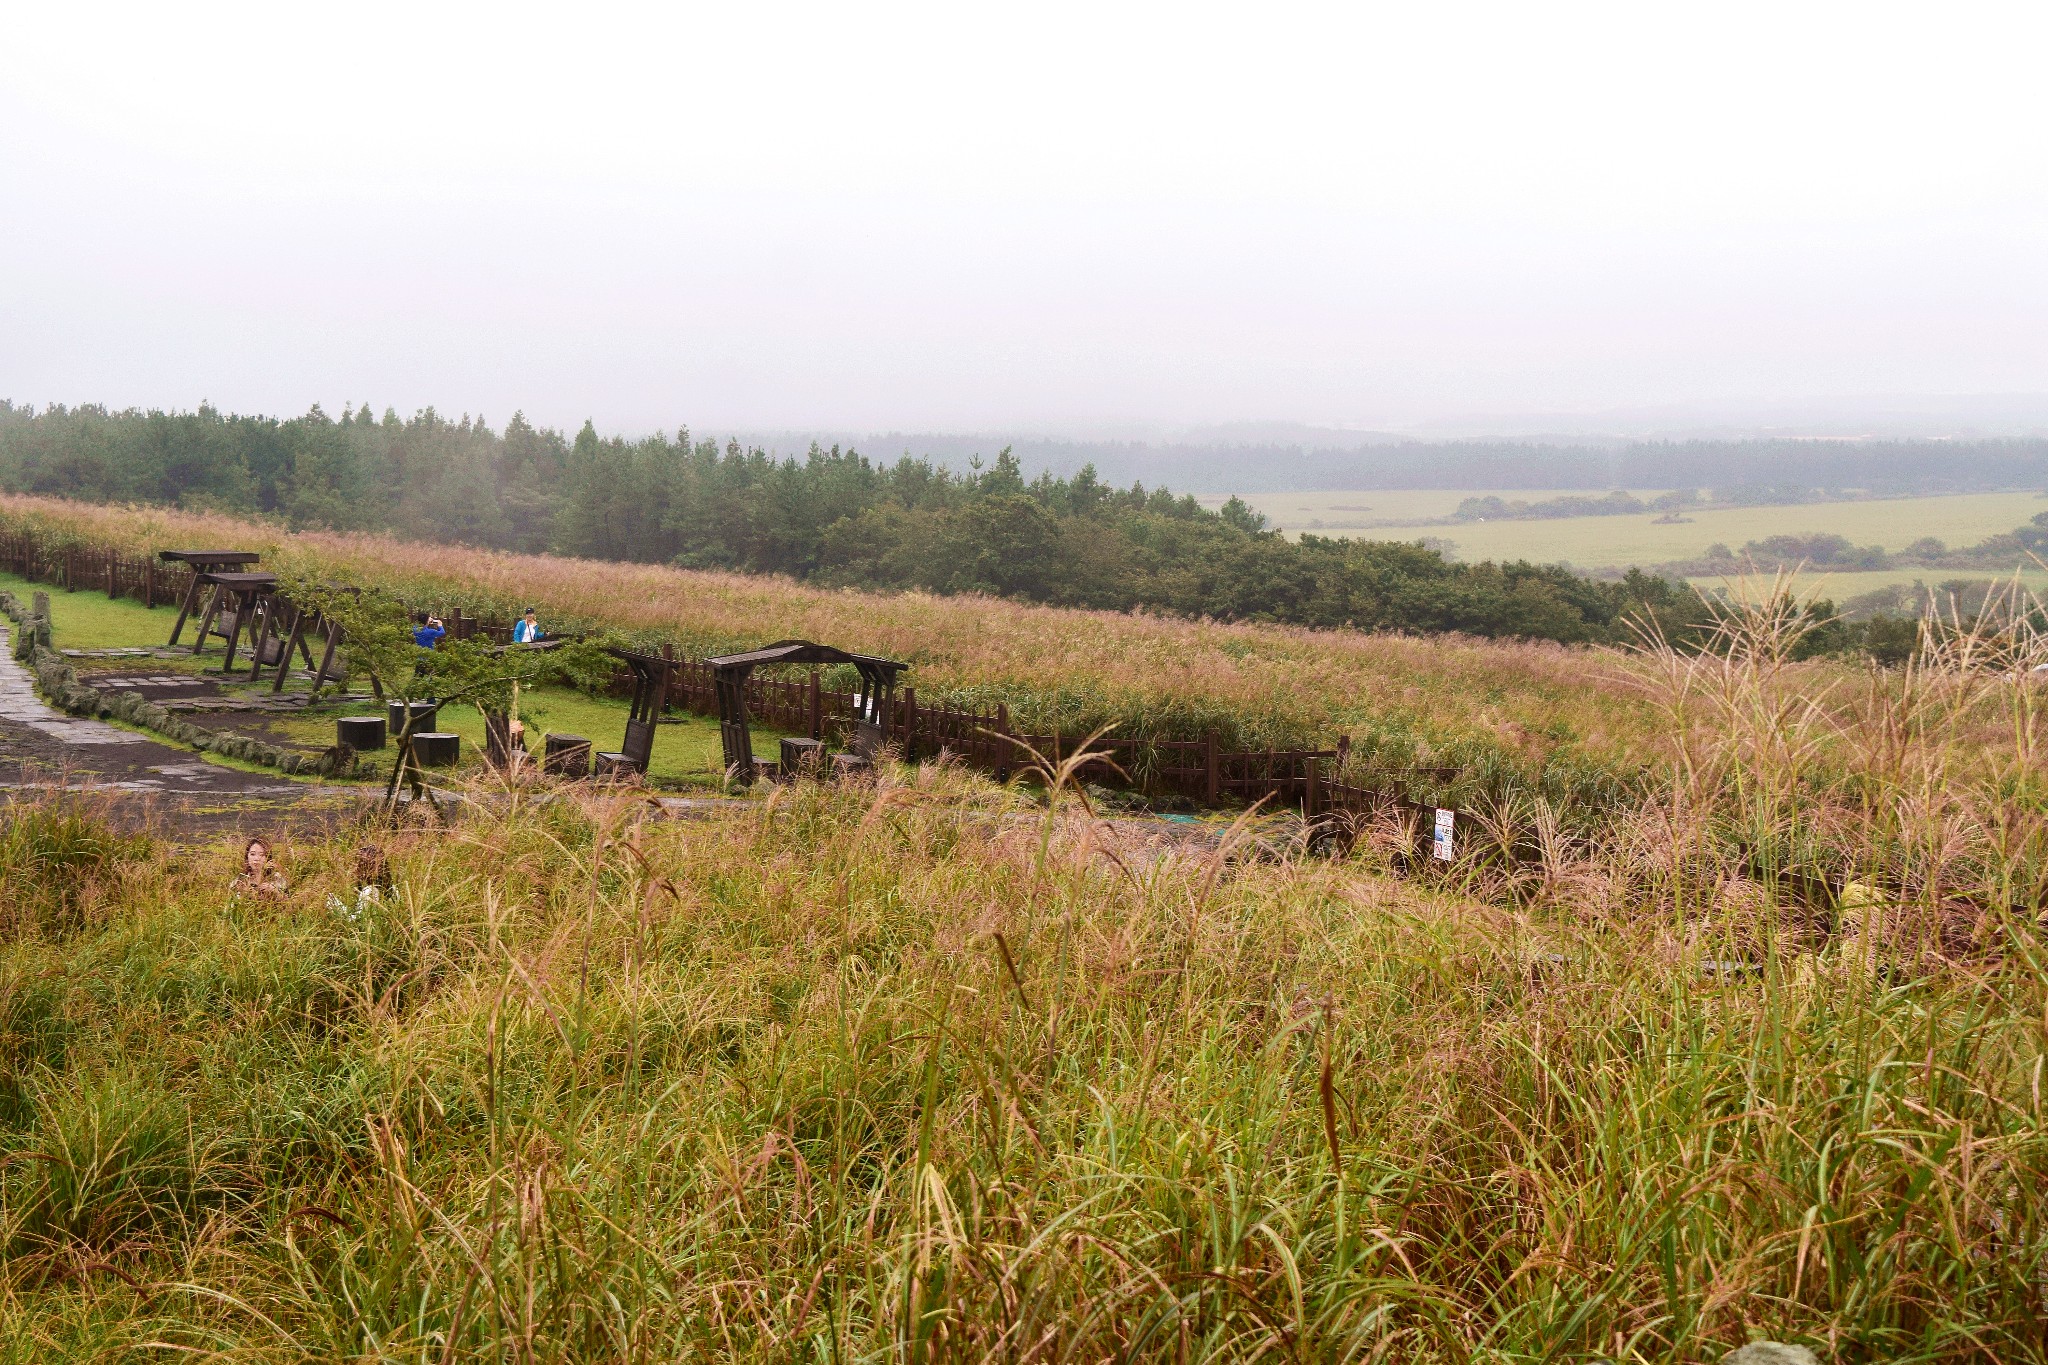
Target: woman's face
x=258, y=856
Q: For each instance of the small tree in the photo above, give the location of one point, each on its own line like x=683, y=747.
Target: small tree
x=377, y=640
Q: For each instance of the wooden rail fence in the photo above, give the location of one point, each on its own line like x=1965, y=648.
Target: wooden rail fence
x=76, y=567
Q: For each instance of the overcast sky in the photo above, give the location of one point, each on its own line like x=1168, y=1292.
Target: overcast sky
x=1039, y=216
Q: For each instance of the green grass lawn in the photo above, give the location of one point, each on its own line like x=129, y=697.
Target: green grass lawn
x=91, y=620
x=685, y=750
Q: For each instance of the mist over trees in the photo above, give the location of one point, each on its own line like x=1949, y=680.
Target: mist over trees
x=1759, y=471
x=832, y=515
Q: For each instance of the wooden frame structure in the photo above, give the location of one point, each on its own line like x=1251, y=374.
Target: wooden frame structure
x=285, y=621
x=235, y=597
x=201, y=562
x=729, y=680
x=650, y=695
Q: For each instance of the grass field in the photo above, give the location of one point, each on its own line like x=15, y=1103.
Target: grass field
x=917, y=1073
x=936, y=1070
x=92, y=620
x=1840, y=587
x=1617, y=542
x=1349, y=511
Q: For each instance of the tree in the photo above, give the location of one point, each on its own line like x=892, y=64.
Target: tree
x=377, y=641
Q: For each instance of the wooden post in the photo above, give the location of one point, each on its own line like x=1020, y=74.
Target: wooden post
x=242, y=608
x=817, y=707
x=295, y=639
x=186, y=607
x=205, y=618
x=1212, y=785
x=909, y=724
x=71, y=568
x=320, y=674
x=1311, y=800
x=149, y=583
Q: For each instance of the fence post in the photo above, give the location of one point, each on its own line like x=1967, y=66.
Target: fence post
x=909, y=724
x=111, y=560
x=70, y=568
x=1311, y=800
x=149, y=582
x=1212, y=783
x=817, y=707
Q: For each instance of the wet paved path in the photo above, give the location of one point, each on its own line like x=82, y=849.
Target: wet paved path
x=41, y=746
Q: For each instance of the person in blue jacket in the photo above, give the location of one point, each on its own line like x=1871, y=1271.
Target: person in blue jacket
x=429, y=632
x=526, y=630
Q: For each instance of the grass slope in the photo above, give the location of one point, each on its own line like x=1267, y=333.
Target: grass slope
x=899, y=1074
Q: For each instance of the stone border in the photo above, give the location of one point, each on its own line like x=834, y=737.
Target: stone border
x=59, y=682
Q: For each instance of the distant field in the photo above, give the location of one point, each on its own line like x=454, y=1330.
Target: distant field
x=1616, y=542
x=1341, y=511
x=1840, y=587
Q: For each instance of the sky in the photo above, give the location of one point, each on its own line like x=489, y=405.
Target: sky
x=1054, y=218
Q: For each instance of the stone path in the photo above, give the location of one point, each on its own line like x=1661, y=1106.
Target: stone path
x=40, y=745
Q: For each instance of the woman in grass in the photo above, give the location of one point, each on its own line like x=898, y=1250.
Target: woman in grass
x=261, y=879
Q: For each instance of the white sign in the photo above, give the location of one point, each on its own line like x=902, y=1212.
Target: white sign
x=1441, y=848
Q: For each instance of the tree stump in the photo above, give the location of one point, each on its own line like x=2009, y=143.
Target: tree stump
x=566, y=756
x=360, y=732
x=803, y=758
x=436, y=748
x=424, y=714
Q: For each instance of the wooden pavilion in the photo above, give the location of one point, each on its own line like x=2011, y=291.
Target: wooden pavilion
x=729, y=679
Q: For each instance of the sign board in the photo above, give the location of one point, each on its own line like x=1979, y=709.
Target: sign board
x=1441, y=846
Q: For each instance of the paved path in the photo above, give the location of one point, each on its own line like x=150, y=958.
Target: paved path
x=40, y=745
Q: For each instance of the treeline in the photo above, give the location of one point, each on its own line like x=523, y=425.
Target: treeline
x=1751, y=471
x=1792, y=471
x=427, y=476
x=833, y=516
x=1615, y=504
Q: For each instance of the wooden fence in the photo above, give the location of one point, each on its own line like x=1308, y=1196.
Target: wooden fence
x=75, y=567
x=1318, y=781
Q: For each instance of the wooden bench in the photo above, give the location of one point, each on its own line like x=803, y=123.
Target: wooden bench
x=650, y=696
